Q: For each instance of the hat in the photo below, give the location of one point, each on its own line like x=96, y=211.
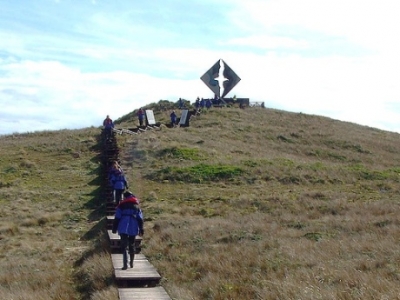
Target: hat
x=131, y=197
x=128, y=194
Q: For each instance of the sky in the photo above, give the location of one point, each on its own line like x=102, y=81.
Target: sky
x=66, y=64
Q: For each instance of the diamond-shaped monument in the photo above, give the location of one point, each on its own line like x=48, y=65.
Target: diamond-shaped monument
x=220, y=78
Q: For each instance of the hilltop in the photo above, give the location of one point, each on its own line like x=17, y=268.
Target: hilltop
x=244, y=203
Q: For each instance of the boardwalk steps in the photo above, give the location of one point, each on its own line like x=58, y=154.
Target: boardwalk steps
x=154, y=293
x=141, y=281
x=142, y=274
x=115, y=242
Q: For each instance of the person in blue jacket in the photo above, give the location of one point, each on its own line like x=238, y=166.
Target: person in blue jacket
x=173, y=118
x=118, y=183
x=208, y=103
x=140, y=115
x=128, y=222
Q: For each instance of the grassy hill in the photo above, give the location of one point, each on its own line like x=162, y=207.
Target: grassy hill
x=243, y=204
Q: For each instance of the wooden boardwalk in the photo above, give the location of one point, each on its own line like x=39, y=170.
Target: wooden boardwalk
x=143, y=272
x=141, y=281
x=154, y=293
x=115, y=242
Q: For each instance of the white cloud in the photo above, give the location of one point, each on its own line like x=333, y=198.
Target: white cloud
x=372, y=24
x=62, y=97
x=269, y=42
x=335, y=58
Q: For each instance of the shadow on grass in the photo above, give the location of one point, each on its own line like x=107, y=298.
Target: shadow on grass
x=96, y=181
x=97, y=235
x=85, y=284
x=96, y=198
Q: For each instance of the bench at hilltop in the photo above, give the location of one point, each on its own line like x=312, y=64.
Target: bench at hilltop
x=257, y=104
x=229, y=102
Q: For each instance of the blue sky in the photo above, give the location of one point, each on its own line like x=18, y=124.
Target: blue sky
x=69, y=63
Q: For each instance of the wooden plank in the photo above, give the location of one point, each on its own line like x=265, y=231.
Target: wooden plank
x=115, y=236
x=110, y=211
x=129, y=132
x=117, y=258
x=149, y=293
x=110, y=221
x=143, y=272
x=111, y=204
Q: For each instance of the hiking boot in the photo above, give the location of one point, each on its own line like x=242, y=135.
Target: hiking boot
x=125, y=260
x=132, y=257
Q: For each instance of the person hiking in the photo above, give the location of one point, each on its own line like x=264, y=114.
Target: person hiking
x=140, y=115
x=118, y=183
x=108, y=126
x=128, y=222
x=115, y=167
x=208, y=103
x=173, y=118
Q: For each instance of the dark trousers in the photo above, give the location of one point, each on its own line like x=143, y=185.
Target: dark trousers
x=108, y=132
x=128, y=241
x=118, y=195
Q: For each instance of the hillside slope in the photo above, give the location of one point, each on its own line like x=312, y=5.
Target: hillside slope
x=243, y=204
x=52, y=237
x=267, y=204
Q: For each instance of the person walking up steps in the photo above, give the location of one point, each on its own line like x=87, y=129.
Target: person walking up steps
x=118, y=183
x=108, y=126
x=128, y=222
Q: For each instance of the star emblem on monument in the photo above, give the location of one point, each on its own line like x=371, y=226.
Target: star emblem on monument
x=220, y=78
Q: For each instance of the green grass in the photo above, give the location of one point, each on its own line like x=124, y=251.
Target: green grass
x=196, y=174
x=181, y=153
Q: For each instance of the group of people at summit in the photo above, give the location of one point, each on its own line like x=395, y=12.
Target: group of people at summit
x=199, y=104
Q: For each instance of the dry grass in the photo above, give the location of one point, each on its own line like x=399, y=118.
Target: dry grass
x=243, y=204
x=48, y=213
x=312, y=216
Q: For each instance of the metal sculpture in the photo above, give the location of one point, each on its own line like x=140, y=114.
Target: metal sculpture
x=220, y=78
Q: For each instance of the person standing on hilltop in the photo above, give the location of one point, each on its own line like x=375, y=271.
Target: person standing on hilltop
x=108, y=126
x=208, y=103
x=173, y=118
x=140, y=115
x=197, y=103
x=128, y=222
x=180, y=103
